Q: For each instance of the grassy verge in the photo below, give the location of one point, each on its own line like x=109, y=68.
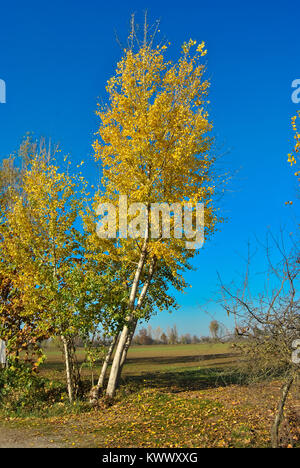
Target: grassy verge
x=187, y=398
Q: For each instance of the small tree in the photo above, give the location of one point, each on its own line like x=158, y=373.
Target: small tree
x=157, y=332
x=172, y=335
x=214, y=328
x=143, y=338
x=164, y=339
x=44, y=256
x=270, y=322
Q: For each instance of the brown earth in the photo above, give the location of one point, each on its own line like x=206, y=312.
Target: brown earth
x=23, y=438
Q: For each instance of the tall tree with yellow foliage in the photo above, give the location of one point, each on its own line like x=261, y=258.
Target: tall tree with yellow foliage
x=155, y=145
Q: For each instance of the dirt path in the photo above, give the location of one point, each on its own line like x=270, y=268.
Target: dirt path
x=22, y=438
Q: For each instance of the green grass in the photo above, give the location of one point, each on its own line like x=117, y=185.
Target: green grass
x=151, y=359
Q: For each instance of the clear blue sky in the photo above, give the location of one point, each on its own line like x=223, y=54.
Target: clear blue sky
x=56, y=57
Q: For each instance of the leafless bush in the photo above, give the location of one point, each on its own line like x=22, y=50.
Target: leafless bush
x=268, y=322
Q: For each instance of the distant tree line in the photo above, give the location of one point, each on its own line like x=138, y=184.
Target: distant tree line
x=149, y=336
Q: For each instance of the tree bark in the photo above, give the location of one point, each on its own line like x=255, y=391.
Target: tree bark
x=115, y=368
x=106, y=361
x=129, y=329
x=139, y=305
x=279, y=413
x=95, y=392
x=68, y=369
x=125, y=350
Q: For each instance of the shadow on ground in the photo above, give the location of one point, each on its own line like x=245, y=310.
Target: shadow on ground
x=178, y=359
x=199, y=379
x=159, y=360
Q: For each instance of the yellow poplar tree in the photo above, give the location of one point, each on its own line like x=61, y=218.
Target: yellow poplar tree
x=155, y=145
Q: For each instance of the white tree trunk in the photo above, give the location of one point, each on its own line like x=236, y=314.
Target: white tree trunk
x=125, y=350
x=95, y=392
x=115, y=368
x=68, y=369
x=106, y=361
x=2, y=353
x=127, y=346
x=129, y=329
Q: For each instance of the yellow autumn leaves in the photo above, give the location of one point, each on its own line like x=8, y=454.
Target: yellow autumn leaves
x=154, y=136
x=294, y=156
